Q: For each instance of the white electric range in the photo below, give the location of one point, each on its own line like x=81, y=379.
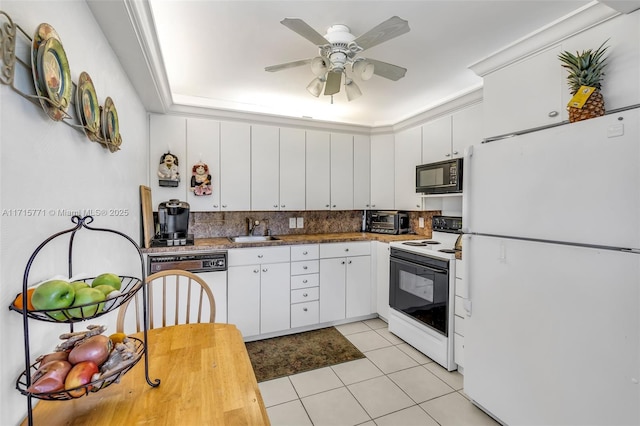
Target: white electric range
x=422, y=290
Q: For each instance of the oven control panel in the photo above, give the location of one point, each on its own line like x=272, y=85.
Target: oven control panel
x=452, y=224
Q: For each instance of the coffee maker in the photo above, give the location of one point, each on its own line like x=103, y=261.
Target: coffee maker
x=173, y=224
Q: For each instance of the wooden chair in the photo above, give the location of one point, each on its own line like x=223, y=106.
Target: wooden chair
x=174, y=297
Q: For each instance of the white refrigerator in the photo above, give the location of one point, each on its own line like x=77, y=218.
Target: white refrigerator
x=552, y=251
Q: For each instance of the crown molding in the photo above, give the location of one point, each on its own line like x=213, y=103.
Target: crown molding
x=561, y=29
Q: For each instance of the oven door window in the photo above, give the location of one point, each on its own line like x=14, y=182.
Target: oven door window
x=420, y=292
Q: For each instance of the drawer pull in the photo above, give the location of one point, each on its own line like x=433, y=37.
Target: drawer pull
x=305, y=253
x=305, y=281
x=255, y=271
x=304, y=295
x=260, y=256
x=346, y=249
x=305, y=309
x=305, y=267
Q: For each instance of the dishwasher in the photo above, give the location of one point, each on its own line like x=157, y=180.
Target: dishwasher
x=210, y=266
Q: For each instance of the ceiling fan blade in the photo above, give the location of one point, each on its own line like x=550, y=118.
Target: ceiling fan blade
x=293, y=64
x=391, y=28
x=390, y=71
x=302, y=28
x=333, y=83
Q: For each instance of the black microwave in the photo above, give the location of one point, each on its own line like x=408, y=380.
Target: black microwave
x=443, y=177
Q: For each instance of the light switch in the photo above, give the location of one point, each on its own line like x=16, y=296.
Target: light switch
x=292, y=222
x=300, y=222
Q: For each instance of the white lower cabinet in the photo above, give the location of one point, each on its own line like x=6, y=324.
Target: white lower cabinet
x=460, y=314
x=345, y=281
x=259, y=289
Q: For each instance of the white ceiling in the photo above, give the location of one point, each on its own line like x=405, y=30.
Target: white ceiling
x=213, y=53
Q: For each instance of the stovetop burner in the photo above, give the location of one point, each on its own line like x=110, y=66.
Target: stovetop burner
x=421, y=243
x=448, y=251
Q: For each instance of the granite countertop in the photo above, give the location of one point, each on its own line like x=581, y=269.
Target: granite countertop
x=223, y=243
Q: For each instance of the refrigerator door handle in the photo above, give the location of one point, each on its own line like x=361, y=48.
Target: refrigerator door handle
x=466, y=302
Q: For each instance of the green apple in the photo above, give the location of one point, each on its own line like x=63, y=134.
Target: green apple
x=51, y=295
x=78, y=285
x=110, y=279
x=105, y=289
x=85, y=296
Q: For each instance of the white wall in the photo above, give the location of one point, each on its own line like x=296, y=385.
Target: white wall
x=47, y=166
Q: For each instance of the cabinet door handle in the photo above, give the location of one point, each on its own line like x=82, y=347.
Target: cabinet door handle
x=305, y=309
x=304, y=294
x=305, y=267
x=327, y=205
x=305, y=253
x=553, y=114
x=275, y=206
x=455, y=152
x=265, y=270
x=224, y=206
x=305, y=281
x=447, y=155
x=342, y=263
x=260, y=256
x=334, y=205
x=283, y=206
x=373, y=205
x=255, y=271
x=349, y=262
x=215, y=206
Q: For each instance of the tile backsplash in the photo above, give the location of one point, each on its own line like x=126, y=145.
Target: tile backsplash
x=228, y=224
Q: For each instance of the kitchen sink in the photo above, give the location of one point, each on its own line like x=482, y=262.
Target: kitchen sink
x=252, y=238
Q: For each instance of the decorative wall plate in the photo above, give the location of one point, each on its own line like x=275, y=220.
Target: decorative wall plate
x=55, y=78
x=43, y=33
x=87, y=107
x=110, y=125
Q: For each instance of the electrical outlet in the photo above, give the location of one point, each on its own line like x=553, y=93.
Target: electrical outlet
x=421, y=222
x=292, y=222
x=300, y=222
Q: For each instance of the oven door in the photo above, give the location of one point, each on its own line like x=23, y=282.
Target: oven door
x=419, y=288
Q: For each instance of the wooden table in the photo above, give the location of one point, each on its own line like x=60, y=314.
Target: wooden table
x=206, y=379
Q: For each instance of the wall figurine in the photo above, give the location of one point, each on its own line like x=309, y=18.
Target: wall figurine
x=168, y=173
x=201, y=179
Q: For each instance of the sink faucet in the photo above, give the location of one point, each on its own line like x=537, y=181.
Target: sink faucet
x=251, y=225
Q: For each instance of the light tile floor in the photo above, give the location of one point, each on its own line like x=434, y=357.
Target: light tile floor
x=394, y=385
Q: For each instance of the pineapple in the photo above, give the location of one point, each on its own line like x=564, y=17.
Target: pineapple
x=586, y=69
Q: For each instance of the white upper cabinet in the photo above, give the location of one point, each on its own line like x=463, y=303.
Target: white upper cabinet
x=203, y=145
x=235, y=166
x=382, y=172
x=265, y=168
x=361, y=172
x=341, y=171
x=524, y=95
x=318, y=170
x=436, y=140
x=467, y=125
x=292, y=169
x=408, y=154
x=167, y=133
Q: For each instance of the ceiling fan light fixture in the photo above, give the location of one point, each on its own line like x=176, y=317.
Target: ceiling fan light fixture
x=363, y=69
x=316, y=86
x=319, y=66
x=352, y=89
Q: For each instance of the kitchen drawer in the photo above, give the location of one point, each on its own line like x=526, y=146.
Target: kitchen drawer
x=307, y=313
x=306, y=267
x=258, y=255
x=459, y=307
x=345, y=249
x=460, y=271
x=458, y=325
x=305, y=294
x=462, y=289
x=458, y=350
x=305, y=252
x=304, y=281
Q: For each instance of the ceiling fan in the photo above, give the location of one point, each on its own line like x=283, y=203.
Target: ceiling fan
x=339, y=49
